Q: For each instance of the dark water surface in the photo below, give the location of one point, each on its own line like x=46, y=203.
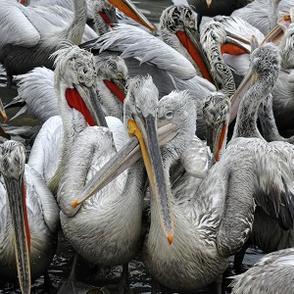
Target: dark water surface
x=140, y=281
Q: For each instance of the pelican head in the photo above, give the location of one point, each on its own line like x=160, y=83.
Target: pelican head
x=138, y=101
x=114, y=72
x=76, y=78
x=178, y=18
x=265, y=61
x=264, y=65
x=178, y=108
x=140, y=117
x=178, y=28
x=130, y=10
x=104, y=16
x=216, y=112
x=12, y=165
x=75, y=66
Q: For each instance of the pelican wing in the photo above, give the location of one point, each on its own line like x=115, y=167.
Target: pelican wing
x=46, y=151
x=36, y=89
x=50, y=19
x=40, y=194
x=197, y=158
x=68, y=4
x=135, y=42
x=237, y=27
x=271, y=274
x=259, y=13
x=275, y=182
x=15, y=27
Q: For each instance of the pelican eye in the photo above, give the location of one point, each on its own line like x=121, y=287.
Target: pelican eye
x=169, y=114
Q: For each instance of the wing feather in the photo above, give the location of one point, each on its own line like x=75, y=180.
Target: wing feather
x=15, y=27
x=36, y=88
x=275, y=182
x=135, y=42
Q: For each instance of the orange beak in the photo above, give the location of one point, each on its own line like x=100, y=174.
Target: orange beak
x=130, y=10
x=195, y=51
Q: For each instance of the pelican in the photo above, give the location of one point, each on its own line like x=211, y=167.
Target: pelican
x=272, y=274
x=177, y=28
x=112, y=218
x=25, y=49
x=274, y=163
x=106, y=16
x=216, y=113
x=29, y=218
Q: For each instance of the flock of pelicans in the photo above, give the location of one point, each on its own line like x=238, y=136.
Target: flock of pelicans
x=180, y=124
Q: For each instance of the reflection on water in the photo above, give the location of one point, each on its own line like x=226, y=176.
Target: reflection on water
x=140, y=281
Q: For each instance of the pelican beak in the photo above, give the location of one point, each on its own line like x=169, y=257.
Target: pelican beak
x=130, y=10
x=145, y=130
x=17, y=203
x=85, y=100
x=235, y=99
x=147, y=146
x=117, y=88
x=188, y=39
x=216, y=139
x=208, y=2
x=3, y=114
x=275, y=35
x=235, y=44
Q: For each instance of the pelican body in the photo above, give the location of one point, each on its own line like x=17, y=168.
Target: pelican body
x=29, y=253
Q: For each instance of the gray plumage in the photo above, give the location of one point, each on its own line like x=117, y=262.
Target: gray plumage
x=22, y=52
x=36, y=89
x=112, y=217
x=273, y=191
x=42, y=215
x=272, y=274
x=261, y=14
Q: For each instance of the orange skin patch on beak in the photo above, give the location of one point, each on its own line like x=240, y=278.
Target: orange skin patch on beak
x=232, y=49
x=170, y=238
x=75, y=101
x=115, y=90
x=26, y=221
x=287, y=19
x=194, y=53
x=221, y=141
x=75, y=203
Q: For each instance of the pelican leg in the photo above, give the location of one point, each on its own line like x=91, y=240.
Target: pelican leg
x=9, y=79
x=238, y=259
x=155, y=288
x=217, y=286
x=124, y=281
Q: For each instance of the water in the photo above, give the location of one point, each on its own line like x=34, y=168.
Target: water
x=140, y=281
